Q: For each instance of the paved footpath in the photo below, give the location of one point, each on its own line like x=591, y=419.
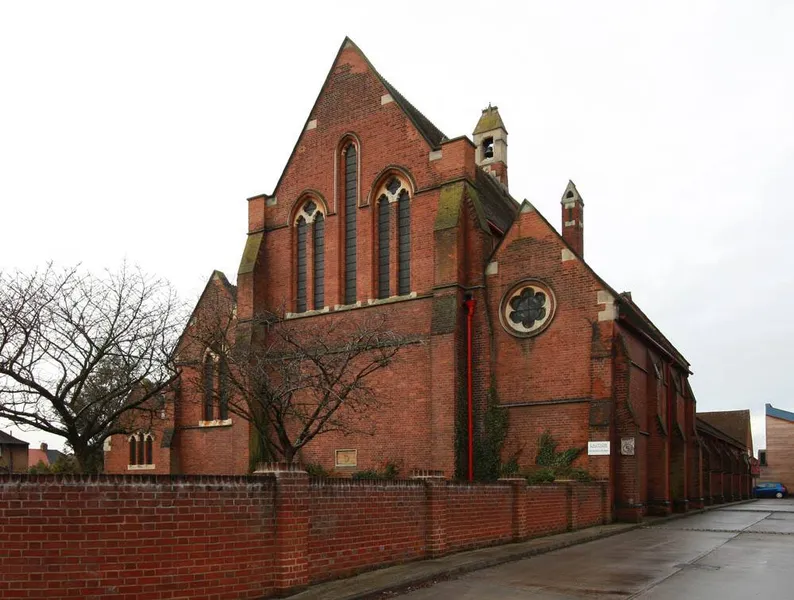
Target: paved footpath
x=611, y=561
x=737, y=552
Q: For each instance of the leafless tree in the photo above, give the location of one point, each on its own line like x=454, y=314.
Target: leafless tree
x=81, y=355
x=299, y=378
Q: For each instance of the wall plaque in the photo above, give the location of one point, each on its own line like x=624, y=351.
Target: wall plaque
x=346, y=458
x=627, y=446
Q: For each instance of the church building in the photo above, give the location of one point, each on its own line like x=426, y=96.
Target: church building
x=377, y=210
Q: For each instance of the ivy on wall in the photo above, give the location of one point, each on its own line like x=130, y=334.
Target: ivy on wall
x=490, y=433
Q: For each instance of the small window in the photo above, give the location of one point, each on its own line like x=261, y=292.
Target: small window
x=133, y=451
x=487, y=147
x=569, y=194
x=762, y=457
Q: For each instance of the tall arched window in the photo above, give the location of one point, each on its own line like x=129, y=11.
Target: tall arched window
x=404, y=243
x=319, y=262
x=141, y=454
x=351, y=182
x=209, y=385
x=149, y=452
x=383, y=247
x=223, y=390
x=310, y=218
x=394, y=191
x=133, y=450
x=301, y=267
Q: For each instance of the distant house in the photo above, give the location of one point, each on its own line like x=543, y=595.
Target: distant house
x=43, y=455
x=13, y=454
x=777, y=460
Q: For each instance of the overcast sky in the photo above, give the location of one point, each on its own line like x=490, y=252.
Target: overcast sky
x=137, y=130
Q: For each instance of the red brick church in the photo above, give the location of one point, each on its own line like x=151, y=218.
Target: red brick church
x=378, y=210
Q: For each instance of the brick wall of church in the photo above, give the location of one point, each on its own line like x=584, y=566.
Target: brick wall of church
x=551, y=376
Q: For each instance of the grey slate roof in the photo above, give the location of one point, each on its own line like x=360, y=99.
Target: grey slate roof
x=10, y=440
x=499, y=206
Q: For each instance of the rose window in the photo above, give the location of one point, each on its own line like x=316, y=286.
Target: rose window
x=527, y=309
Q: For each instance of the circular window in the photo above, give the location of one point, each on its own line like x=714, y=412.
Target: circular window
x=527, y=308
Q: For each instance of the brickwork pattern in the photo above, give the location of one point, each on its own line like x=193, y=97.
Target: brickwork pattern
x=200, y=537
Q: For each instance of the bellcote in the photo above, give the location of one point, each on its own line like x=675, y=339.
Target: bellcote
x=490, y=141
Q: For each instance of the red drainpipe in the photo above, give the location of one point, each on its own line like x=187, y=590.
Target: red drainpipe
x=469, y=304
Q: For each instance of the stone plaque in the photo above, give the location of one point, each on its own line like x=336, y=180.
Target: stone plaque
x=598, y=448
x=627, y=446
x=346, y=458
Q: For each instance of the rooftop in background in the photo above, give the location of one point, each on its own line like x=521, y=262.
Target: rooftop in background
x=735, y=423
x=9, y=440
x=771, y=411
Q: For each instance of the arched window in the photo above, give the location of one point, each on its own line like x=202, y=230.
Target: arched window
x=394, y=191
x=310, y=218
x=209, y=385
x=301, y=267
x=223, y=390
x=149, y=451
x=404, y=243
x=383, y=247
x=141, y=455
x=319, y=262
x=133, y=451
x=351, y=183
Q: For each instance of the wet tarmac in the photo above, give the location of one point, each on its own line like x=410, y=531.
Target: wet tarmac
x=740, y=552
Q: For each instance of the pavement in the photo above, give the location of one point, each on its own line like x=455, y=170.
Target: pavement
x=736, y=552
x=724, y=552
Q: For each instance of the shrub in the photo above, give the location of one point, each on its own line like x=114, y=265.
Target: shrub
x=317, y=470
x=390, y=471
x=544, y=475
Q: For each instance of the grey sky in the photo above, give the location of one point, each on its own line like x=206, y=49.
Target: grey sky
x=138, y=130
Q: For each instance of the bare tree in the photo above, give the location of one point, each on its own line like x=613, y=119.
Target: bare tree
x=298, y=378
x=82, y=356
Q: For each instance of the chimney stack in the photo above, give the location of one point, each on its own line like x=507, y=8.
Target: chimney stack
x=490, y=141
x=43, y=446
x=573, y=219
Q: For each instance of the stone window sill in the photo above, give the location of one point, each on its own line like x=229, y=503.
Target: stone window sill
x=141, y=467
x=216, y=423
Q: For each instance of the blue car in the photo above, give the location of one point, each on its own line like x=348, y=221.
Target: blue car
x=770, y=490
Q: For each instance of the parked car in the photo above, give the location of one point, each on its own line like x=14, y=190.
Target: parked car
x=770, y=490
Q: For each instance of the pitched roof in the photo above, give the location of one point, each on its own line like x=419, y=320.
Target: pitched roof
x=9, y=440
x=771, y=411
x=232, y=289
x=734, y=423
x=628, y=310
x=36, y=455
x=430, y=132
x=634, y=316
x=499, y=206
x=490, y=120
x=705, y=427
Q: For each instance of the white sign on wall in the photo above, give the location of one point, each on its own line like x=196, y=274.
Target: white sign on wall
x=598, y=448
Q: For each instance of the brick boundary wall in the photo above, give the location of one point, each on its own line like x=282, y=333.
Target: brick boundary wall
x=160, y=536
